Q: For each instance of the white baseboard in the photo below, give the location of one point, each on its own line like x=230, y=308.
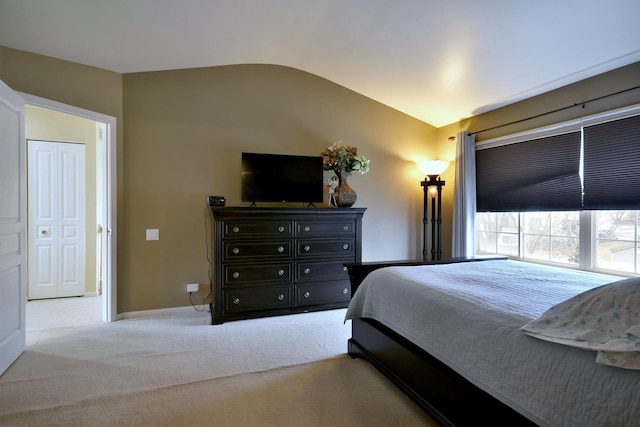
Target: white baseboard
x=156, y=312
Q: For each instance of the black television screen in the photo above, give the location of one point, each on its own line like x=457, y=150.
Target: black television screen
x=282, y=178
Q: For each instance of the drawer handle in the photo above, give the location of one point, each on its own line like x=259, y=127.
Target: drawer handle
x=345, y=246
x=307, y=248
x=236, y=301
x=307, y=228
x=307, y=270
x=280, y=249
x=236, y=251
x=236, y=274
x=281, y=272
x=236, y=229
x=281, y=229
x=280, y=297
x=307, y=294
x=344, y=268
x=345, y=291
x=345, y=227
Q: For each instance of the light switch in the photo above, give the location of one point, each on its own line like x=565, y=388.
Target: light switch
x=153, y=234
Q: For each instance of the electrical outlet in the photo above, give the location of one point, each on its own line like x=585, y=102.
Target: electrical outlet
x=193, y=287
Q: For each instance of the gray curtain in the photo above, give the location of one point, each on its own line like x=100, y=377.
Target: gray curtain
x=464, y=197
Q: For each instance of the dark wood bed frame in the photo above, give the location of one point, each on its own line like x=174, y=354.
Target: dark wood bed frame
x=440, y=391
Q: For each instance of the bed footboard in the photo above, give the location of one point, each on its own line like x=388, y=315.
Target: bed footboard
x=437, y=389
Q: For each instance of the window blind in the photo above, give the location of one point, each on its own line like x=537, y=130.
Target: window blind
x=538, y=174
x=612, y=164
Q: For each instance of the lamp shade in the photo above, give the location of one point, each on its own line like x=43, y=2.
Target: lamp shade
x=433, y=167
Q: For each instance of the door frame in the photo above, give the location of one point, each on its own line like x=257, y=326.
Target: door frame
x=109, y=182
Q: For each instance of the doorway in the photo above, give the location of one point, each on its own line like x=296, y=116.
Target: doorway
x=101, y=260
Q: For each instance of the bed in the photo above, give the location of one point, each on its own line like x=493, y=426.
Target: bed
x=450, y=335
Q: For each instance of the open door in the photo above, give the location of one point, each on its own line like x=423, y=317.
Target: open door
x=13, y=204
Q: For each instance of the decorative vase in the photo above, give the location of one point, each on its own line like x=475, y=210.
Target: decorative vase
x=344, y=195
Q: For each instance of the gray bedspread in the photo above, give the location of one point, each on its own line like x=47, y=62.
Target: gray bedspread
x=469, y=316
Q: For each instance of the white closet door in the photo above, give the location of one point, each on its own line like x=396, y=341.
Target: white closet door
x=56, y=220
x=71, y=220
x=42, y=182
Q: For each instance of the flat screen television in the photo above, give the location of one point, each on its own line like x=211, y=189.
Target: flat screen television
x=282, y=178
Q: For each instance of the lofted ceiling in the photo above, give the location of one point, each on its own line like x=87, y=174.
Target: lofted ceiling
x=437, y=60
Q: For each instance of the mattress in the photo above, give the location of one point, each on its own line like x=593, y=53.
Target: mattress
x=469, y=315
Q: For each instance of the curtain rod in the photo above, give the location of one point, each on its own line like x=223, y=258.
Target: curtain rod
x=557, y=110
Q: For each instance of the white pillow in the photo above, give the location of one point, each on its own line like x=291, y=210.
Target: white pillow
x=605, y=319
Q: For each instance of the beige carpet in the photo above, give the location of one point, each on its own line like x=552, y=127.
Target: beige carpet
x=333, y=392
x=175, y=369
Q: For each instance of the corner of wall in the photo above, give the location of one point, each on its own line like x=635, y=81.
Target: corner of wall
x=2, y=49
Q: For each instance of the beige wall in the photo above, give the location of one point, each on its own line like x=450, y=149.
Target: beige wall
x=75, y=84
x=179, y=138
x=47, y=125
x=575, y=94
x=185, y=131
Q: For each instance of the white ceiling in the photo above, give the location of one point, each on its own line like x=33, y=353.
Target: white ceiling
x=437, y=60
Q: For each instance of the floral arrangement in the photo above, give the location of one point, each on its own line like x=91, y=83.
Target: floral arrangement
x=339, y=157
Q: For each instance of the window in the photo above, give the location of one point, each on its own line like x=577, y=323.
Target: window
x=616, y=241
x=611, y=239
x=498, y=233
x=552, y=236
x=574, y=188
x=541, y=236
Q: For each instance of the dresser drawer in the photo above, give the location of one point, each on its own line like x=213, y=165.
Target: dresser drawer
x=257, y=298
x=323, y=293
x=307, y=271
x=243, y=274
x=243, y=249
x=326, y=228
x=257, y=229
x=334, y=248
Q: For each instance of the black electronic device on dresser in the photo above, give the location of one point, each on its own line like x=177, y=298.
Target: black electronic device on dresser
x=274, y=261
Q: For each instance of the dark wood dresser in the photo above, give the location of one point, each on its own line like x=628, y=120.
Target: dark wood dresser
x=275, y=261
